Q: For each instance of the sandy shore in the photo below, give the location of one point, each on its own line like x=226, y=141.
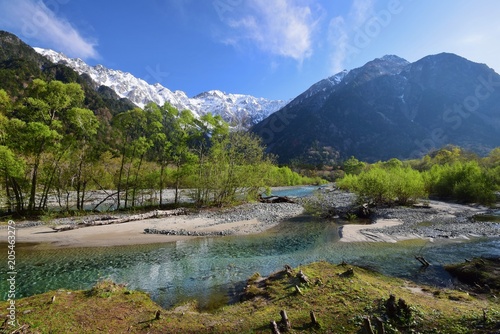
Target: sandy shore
x=246, y=219
x=128, y=233
x=437, y=220
x=359, y=233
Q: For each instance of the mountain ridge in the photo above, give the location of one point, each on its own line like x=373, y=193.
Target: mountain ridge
x=390, y=108
x=237, y=109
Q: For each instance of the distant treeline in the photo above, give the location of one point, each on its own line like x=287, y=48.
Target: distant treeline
x=50, y=145
x=449, y=173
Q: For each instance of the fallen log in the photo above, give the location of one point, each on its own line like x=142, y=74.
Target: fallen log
x=274, y=327
x=422, y=260
x=285, y=322
x=367, y=326
x=110, y=221
x=275, y=199
x=303, y=278
x=314, y=321
x=379, y=325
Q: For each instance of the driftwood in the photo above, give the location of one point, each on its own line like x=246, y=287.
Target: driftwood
x=422, y=260
x=23, y=329
x=275, y=199
x=303, y=278
x=112, y=220
x=297, y=290
x=274, y=327
x=367, y=326
x=348, y=273
x=314, y=321
x=379, y=324
x=285, y=322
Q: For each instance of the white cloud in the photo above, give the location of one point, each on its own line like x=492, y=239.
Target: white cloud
x=339, y=38
x=340, y=32
x=34, y=20
x=361, y=10
x=279, y=27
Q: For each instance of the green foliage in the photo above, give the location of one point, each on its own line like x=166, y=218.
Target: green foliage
x=407, y=184
x=353, y=166
x=392, y=183
x=46, y=123
x=51, y=144
x=464, y=181
x=284, y=176
x=233, y=168
x=339, y=303
x=450, y=173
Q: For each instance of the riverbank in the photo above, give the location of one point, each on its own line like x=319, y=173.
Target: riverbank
x=338, y=299
x=240, y=220
x=434, y=220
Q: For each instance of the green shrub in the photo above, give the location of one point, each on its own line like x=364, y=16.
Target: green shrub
x=463, y=181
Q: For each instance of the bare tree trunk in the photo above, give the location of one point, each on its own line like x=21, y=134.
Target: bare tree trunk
x=120, y=174
x=162, y=170
x=7, y=193
x=136, y=179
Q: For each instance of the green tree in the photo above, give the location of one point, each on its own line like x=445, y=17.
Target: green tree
x=134, y=142
x=353, y=166
x=42, y=127
x=208, y=130
x=407, y=185
x=464, y=181
x=386, y=183
x=10, y=170
x=182, y=133
x=235, y=166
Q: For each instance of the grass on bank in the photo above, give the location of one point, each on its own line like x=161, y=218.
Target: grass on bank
x=339, y=300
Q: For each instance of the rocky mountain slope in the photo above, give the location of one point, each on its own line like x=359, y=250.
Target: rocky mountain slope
x=20, y=64
x=237, y=109
x=389, y=108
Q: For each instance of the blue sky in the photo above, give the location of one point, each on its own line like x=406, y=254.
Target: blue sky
x=267, y=48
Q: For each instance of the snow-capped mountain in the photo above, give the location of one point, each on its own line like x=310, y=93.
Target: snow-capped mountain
x=237, y=109
x=388, y=108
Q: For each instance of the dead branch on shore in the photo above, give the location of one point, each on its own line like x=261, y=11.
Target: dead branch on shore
x=111, y=220
x=422, y=260
x=275, y=199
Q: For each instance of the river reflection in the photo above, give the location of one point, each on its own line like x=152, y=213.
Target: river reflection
x=211, y=270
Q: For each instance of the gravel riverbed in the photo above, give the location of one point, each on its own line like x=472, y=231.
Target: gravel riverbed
x=437, y=219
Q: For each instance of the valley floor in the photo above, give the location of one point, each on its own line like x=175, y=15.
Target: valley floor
x=244, y=219
x=435, y=220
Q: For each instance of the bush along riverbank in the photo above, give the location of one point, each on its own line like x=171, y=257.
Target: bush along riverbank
x=428, y=219
x=316, y=298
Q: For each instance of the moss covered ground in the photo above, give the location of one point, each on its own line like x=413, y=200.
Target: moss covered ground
x=341, y=299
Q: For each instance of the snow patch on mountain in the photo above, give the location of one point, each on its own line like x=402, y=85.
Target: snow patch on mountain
x=237, y=109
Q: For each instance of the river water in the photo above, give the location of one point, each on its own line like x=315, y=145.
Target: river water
x=213, y=270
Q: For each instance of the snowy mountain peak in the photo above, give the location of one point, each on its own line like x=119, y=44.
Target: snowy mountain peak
x=337, y=78
x=236, y=109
